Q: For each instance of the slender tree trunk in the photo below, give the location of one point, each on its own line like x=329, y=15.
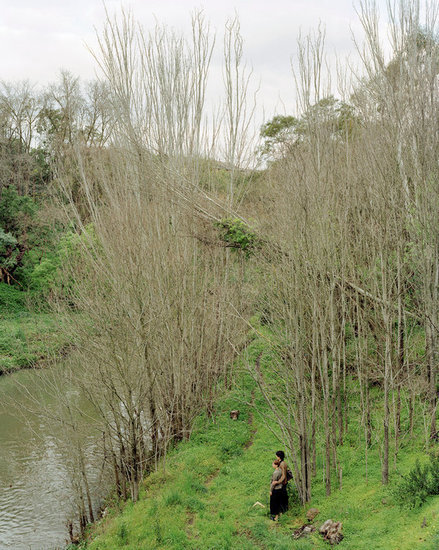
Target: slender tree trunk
x=400, y=357
x=386, y=420
x=313, y=388
x=326, y=414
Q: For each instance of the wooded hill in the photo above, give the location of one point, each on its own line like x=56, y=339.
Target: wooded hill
x=167, y=258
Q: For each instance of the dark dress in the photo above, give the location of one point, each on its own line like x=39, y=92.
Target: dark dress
x=276, y=497
x=279, y=495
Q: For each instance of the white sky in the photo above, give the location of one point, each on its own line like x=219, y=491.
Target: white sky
x=39, y=37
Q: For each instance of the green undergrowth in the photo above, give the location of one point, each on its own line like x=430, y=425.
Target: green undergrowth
x=27, y=335
x=204, y=496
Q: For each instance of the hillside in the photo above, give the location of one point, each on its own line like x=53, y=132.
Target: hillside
x=165, y=233
x=203, y=496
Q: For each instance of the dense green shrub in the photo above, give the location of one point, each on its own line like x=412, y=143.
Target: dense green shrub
x=16, y=210
x=413, y=489
x=12, y=299
x=28, y=240
x=238, y=235
x=46, y=274
x=421, y=482
x=434, y=474
x=17, y=215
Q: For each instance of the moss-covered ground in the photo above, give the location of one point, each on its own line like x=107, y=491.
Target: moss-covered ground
x=204, y=496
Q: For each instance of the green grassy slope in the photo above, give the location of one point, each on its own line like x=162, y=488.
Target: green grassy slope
x=203, y=497
x=26, y=336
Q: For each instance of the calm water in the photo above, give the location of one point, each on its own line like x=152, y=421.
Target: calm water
x=35, y=488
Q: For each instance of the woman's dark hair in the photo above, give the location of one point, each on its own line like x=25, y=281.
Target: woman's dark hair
x=280, y=454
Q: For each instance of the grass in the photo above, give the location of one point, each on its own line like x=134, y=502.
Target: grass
x=203, y=497
x=26, y=336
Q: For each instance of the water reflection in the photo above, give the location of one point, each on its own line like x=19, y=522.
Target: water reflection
x=36, y=498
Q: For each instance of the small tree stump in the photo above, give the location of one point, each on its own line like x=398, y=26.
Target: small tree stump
x=331, y=531
x=234, y=415
x=312, y=513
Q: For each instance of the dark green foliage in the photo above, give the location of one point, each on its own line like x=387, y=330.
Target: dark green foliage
x=12, y=300
x=8, y=249
x=238, y=235
x=337, y=116
x=413, y=489
x=44, y=274
x=418, y=484
x=28, y=242
x=15, y=210
x=16, y=217
x=194, y=485
x=434, y=474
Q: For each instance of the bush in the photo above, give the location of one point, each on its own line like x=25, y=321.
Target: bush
x=418, y=484
x=17, y=229
x=238, y=235
x=434, y=474
x=46, y=273
x=12, y=300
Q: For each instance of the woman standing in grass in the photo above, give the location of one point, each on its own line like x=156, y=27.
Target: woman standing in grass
x=280, y=455
x=275, y=491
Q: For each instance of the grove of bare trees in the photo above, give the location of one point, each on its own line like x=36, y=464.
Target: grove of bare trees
x=164, y=272
x=354, y=291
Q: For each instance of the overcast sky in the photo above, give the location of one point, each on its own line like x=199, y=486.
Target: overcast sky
x=39, y=37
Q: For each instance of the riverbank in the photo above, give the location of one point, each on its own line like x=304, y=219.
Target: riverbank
x=36, y=474
x=206, y=494
x=28, y=336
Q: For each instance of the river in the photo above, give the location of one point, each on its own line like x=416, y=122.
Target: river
x=36, y=496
